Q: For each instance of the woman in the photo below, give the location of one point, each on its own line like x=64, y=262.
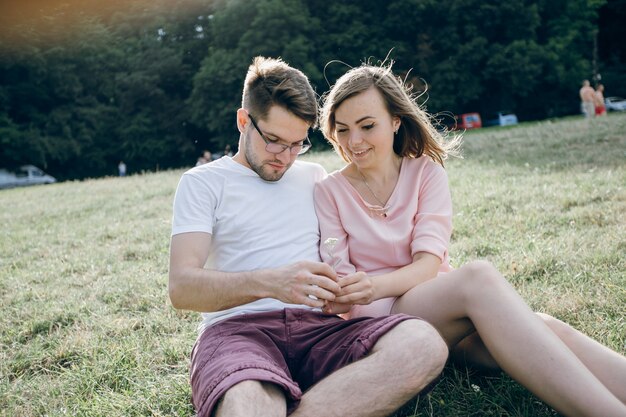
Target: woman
x=387, y=214
x=599, y=101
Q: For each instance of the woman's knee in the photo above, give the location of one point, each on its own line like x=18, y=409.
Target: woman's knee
x=551, y=321
x=479, y=276
x=479, y=269
x=562, y=329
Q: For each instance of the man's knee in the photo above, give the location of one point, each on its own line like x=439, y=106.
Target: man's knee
x=418, y=347
x=424, y=336
x=239, y=399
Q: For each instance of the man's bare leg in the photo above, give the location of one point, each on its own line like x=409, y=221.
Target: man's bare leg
x=401, y=364
x=252, y=399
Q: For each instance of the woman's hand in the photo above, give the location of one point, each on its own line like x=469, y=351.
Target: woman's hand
x=356, y=288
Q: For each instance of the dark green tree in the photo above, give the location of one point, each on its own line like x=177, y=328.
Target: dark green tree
x=276, y=28
x=85, y=83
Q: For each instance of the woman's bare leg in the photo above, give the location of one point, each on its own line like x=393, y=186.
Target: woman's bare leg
x=471, y=351
x=477, y=297
x=607, y=365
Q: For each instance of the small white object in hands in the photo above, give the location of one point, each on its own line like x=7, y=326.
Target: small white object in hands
x=330, y=244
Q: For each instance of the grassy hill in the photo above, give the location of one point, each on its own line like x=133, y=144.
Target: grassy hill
x=86, y=327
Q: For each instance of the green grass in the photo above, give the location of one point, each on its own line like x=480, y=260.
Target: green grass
x=87, y=328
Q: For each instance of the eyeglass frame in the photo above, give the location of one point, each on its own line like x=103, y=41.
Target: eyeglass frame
x=304, y=146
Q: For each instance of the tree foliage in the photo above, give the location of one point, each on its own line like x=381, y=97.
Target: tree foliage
x=85, y=84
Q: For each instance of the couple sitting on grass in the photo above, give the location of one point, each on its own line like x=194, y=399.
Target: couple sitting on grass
x=248, y=233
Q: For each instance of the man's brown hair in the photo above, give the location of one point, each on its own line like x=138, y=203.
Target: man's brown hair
x=271, y=82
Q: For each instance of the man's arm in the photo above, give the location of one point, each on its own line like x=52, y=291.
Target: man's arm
x=191, y=287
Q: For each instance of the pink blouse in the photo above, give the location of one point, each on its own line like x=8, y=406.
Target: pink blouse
x=419, y=219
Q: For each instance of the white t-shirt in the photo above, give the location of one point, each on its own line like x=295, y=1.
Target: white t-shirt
x=255, y=224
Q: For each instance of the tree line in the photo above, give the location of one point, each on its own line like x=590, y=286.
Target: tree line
x=85, y=84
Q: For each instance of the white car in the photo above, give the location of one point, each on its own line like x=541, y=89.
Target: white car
x=615, y=103
x=26, y=175
x=501, y=119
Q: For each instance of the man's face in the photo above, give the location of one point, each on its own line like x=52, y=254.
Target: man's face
x=281, y=127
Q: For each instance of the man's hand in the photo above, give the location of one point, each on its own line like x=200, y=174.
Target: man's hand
x=296, y=283
x=192, y=287
x=336, y=308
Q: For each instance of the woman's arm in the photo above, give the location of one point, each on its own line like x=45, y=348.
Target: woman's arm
x=361, y=288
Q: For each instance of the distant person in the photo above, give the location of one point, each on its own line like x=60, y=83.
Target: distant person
x=587, y=99
x=265, y=348
x=599, y=101
x=121, y=169
x=228, y=151
x=206, y=157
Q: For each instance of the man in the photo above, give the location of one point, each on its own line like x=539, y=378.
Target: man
x=587, y=96
x=263, y=340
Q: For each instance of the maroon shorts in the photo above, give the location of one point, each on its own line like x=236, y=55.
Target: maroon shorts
x=292, y=348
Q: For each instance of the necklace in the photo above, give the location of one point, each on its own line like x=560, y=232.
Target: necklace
x=381, y=210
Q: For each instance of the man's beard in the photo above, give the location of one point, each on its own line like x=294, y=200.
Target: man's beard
x=261, y=168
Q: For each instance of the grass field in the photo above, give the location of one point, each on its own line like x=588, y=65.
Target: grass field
x=86, y=327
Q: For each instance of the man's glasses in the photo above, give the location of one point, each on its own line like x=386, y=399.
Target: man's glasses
x=276, y=148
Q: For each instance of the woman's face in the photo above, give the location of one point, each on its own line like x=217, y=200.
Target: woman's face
x=364, y=128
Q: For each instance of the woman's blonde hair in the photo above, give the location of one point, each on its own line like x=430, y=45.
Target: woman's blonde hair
x=416, y=136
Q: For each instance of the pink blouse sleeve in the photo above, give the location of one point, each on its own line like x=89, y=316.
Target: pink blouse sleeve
x=331, y=227
x=433, y=220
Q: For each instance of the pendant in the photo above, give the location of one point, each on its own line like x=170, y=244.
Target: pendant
x=378, y=211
